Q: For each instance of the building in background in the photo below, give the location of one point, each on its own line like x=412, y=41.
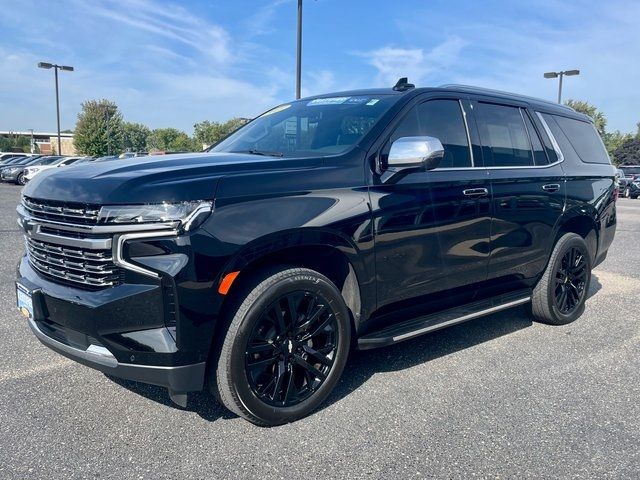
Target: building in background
x=46, y=142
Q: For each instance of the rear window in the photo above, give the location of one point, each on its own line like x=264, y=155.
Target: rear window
x=585, y=140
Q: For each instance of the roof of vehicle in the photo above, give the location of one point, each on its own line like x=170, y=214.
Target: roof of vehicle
x=544, y=105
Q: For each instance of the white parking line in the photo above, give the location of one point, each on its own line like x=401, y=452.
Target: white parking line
x=33, y=371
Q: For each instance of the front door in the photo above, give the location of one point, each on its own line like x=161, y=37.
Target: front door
x=431, y=227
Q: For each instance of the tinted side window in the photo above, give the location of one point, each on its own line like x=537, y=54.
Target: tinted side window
x=539, y=155
x=585, y=140
x=552, y=155
x=505, y=142
x=563, y=142
x=443, y=120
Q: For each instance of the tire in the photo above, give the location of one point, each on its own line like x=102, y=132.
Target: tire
x=547, y=300
x=258, y=393
x=633, y=197
x=21, y=180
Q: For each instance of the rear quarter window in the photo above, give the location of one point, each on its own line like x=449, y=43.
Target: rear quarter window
x=585, y=140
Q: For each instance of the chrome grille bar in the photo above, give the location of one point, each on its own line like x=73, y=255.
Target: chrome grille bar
x=74, y=214
x=77, y=266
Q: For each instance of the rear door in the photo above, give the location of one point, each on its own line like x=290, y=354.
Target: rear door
x=432, y=227
x=528, y=186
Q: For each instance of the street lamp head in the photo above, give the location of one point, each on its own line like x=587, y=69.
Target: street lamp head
x=45, y=65
x=572, y=72
x=66, y=68
x=551, y=75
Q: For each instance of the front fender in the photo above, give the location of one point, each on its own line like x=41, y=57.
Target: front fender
x=246, y=229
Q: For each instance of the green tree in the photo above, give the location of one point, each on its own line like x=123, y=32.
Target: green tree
x=628, y=153
x=208, y=133
x=598, y=117
x=99, y=129
x=613, y=140
x=15, y=143
x=170, y=140
x=134, y=136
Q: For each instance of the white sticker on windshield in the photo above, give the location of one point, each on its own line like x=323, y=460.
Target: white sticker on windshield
x=277, y=109
x=373, y=101
x=328, y=101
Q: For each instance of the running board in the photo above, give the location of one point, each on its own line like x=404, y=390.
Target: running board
x=430, y=323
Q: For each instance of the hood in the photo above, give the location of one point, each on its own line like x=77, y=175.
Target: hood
x=152, y=179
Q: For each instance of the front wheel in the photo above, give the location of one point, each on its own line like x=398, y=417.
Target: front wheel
x=21, y=180
x=560, y=295
x=285, y=348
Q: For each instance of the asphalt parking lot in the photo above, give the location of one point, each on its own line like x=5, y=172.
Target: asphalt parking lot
x=496, y=397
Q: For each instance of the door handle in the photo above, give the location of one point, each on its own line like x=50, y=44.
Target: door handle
x=552, y=187
x=475, y=192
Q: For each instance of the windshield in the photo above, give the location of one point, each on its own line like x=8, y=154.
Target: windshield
x=23, y=161
x=45, y=161
x=306, y=128
x=632, y=170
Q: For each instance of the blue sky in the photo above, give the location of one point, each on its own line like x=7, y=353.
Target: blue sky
x=177, y=63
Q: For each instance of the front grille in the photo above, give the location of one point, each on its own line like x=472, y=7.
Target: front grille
x=73, y=213
x=76, y=266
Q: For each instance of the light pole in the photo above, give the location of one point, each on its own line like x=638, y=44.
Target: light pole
x=299, y=51
x=56, y=68
x=568, y=73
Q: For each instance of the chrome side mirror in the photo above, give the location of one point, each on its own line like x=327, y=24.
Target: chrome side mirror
x=415, y=152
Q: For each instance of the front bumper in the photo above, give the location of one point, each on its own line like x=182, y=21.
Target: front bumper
x=179, y=379
x=119, y=331
x=9, y=177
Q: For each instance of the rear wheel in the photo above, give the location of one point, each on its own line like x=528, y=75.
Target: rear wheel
x=285, y=348
x=559, y=296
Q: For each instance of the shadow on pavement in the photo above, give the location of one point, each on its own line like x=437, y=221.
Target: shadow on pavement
x=364, y=364
x=201, y=403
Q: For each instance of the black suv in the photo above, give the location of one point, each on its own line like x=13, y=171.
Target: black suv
x=355, y=219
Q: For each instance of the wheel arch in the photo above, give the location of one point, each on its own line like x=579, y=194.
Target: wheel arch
x=326, y=252
x=581, y=222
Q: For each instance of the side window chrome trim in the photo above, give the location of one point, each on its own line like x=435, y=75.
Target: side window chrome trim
x=556, y=147
x=554, y=143
x=466, y=129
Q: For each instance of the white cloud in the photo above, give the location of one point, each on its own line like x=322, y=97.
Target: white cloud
x=171, y=22
x=393, y=62
x=511, y=50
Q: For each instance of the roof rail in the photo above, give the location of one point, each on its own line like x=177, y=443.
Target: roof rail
x=490, y=91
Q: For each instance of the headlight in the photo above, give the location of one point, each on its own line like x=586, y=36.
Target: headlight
x=185, y=214
x=13, y=170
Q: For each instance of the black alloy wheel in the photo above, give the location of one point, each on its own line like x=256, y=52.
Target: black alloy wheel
x=570, y=280
x=560, y=295
x=284, y=347
x=291, y=349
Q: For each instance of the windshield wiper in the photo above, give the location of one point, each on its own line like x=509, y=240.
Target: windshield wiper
x=260, y=152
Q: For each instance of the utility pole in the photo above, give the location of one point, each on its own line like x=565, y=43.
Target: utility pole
x=299, y=51
x=55, y=67
x=560, y=75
